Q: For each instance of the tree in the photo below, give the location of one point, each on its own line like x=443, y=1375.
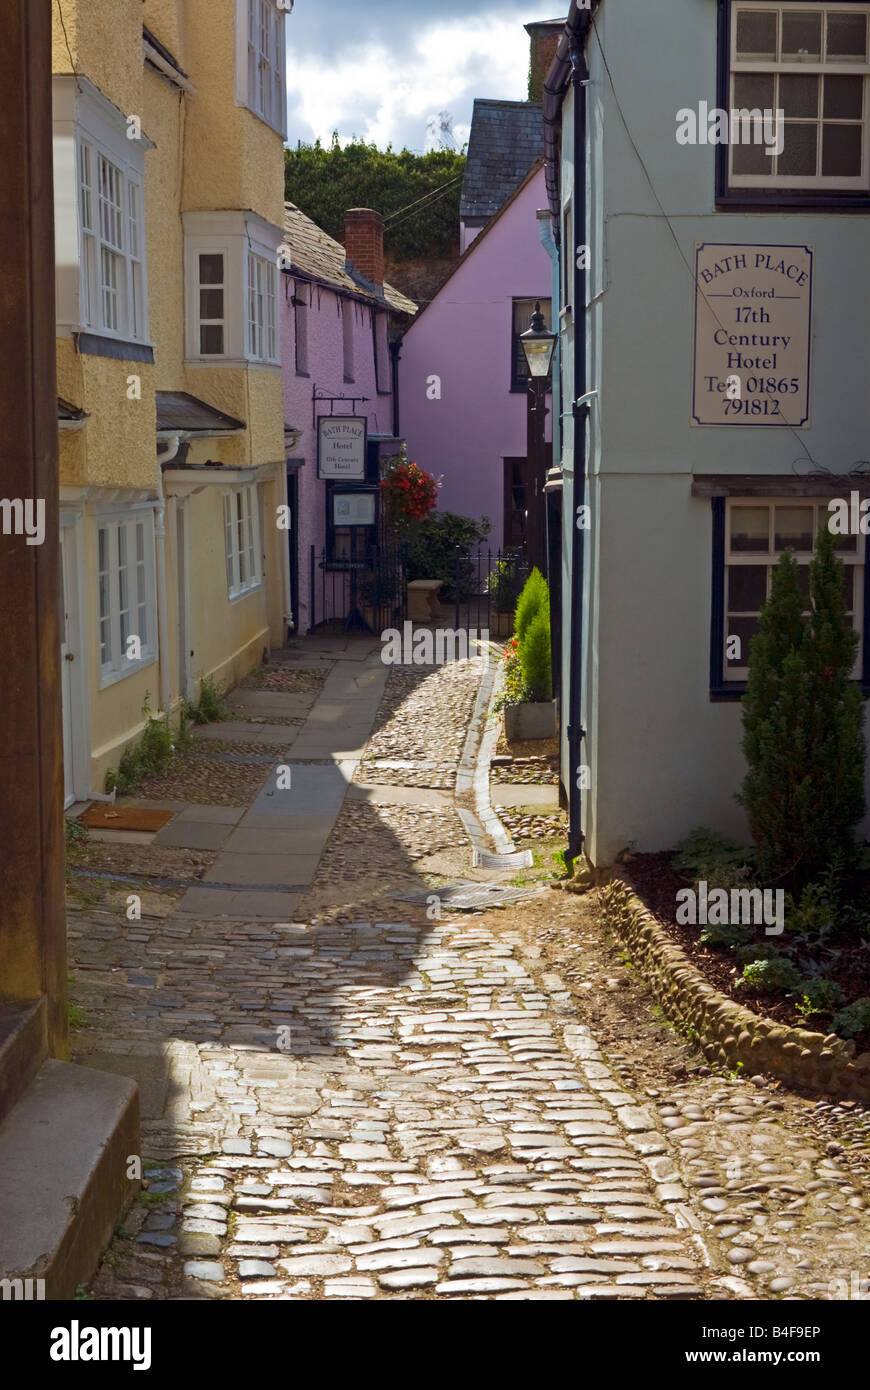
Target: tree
x=324, y=181
x=803, y=726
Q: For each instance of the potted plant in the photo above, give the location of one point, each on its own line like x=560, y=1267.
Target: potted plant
x=503, y=585
x=529, y=707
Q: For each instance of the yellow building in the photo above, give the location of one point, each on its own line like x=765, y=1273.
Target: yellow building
x=169, y=122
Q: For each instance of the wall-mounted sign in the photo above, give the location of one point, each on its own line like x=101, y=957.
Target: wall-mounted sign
x=353, y=509
x=341, y=446
x=753, y=326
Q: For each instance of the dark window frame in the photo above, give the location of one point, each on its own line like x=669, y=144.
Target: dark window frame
x=305, y=305
x=520, y=384
x=742, y=199
x=725, y=691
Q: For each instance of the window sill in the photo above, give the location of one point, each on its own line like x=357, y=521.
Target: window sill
x=231, y=362
x=102, y=345
x=236, y=595
x=108, y=678
x=742, y=199
x=305, y=374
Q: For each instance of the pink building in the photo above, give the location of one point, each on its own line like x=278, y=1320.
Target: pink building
x=339, y=326
x=463, y=377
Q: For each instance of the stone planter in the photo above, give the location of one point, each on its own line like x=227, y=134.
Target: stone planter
x=530, y=720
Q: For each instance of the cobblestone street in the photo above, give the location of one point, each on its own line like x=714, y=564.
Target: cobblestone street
x=372, y=1101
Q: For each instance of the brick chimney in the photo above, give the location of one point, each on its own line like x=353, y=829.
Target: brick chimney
x=545, y=35
x=364, y=244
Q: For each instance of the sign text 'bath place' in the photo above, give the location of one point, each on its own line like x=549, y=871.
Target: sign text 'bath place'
x=753, y=324
x=341, y=446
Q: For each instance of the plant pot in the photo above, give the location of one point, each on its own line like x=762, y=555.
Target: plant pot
x=530, y=721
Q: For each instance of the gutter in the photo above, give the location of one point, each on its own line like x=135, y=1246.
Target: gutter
x=162, y=604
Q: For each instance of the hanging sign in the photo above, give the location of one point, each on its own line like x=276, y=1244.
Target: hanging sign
x=753, y=325
x=341, y=446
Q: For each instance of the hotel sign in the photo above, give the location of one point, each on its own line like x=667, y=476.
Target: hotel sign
x=341, y=447
x=753, y=325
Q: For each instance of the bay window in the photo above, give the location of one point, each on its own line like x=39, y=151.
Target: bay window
x=126, y=594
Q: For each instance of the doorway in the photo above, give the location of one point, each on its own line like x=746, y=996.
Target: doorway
x=76, y=779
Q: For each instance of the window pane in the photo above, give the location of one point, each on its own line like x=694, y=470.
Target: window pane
x=793, y=528
x=841, y=150
x=849, y=587
x=756, y=35
x=749, y=527
x=211, y=304
x=846, y=543
x=753, y=90
x=847, y=37
x=799, y=149
x=744, y=629
x=801, y=36
x=751, y=159
x=747, y=588
x=799, y=94
x=844, y=98
x=211, y=270
x=211, y=339
x=803, y=583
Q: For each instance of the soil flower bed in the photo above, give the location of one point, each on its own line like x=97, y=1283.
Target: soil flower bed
x=841, y=956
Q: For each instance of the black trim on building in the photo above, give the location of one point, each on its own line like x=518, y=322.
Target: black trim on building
x=95, y=345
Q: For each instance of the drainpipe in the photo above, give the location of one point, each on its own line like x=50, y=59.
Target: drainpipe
x=553, y=484
x=174, y=441
x=580, y=410
x=395, y=354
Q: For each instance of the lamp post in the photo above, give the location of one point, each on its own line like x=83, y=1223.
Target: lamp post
x=538, y=344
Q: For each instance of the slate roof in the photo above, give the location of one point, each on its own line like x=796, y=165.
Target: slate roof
x=307, y=248
x=507, y=138
x=178, y=410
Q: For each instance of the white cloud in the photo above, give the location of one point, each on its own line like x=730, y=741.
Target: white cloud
x=368, y=93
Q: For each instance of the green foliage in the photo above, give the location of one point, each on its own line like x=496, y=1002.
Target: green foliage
x=754, y=951
x=324, y=181
x=820, y=996
x=775, y=975
x=210, y=707
x=150, y=755
x=440, y=548
x=813, y=914
x=704, y=853
x=505, y=581
x=803, y=725
x=728, y=934
x=535, y=655
x=852, y=1020
x=75, y=837
x=76, y=1017
x=534, y=594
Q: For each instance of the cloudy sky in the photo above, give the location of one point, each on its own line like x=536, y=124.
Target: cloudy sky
x=381, y=69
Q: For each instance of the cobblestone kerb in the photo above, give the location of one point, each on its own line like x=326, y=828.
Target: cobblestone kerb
x=727, y=1033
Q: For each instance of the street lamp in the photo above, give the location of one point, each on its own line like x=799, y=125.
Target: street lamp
x=538, y=345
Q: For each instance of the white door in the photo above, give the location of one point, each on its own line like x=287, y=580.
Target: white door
x=70, y=655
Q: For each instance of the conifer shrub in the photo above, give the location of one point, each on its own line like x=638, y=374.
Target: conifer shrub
x=803, y=718
x=535, y=658
x=534, y=595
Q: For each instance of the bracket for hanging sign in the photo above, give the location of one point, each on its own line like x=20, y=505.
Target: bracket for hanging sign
x=352, y=401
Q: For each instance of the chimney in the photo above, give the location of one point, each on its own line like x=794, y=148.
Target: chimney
x=364, y=244
x=545, y=35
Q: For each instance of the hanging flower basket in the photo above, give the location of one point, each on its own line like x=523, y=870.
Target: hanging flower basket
x=409, y=492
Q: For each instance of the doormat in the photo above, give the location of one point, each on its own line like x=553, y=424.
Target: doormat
x=98, y=817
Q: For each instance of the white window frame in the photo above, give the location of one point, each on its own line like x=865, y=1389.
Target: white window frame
x=127, y=589
x=261, y=82
x=249, y=247
x=262, y=307
x=242, y=553
x=764, y=66
x=201, y=320
x=99, y=178
x=853, y=558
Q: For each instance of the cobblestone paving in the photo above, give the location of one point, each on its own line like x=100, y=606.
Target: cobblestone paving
x=428, y=1123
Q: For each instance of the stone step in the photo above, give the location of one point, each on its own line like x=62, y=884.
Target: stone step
x=23, y=1049
x=64, y=1152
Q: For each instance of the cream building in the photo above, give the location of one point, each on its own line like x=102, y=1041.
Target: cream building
x=169, y=122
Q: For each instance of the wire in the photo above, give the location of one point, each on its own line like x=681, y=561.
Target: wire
x=425, y=197
x=660, y=206
x=68, y=49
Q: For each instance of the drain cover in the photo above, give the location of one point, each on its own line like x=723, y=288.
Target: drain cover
x=461, y=897
x=518, y=859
